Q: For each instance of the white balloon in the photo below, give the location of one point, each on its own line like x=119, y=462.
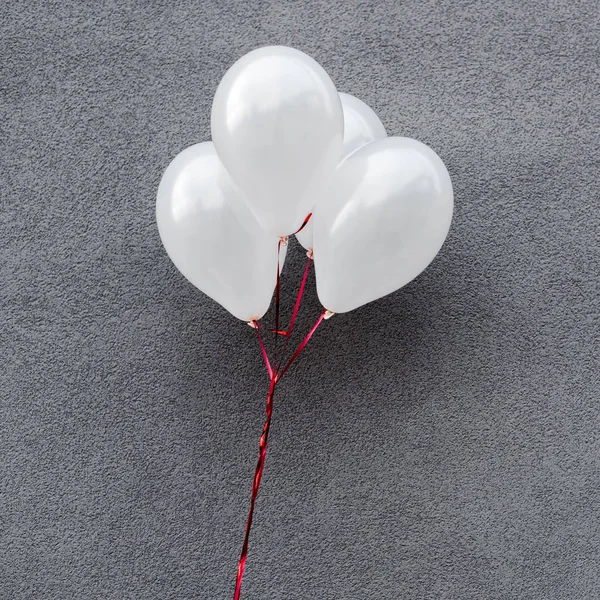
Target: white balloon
x=211, y=236
x=387, y=213
x=361, y=126
x=277, y=125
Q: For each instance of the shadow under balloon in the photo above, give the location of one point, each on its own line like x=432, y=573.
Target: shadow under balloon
x=371, y=343
x=416, y=337
x=394, y=356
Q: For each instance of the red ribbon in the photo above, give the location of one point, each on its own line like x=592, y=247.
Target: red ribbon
x=280, y=373
x=277, y=287
x=296, y=305
x=262, y=453
x=264, y=352
x=275, y=375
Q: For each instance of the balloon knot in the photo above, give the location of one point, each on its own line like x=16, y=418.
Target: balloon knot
x=328, y=314
x=309, y=253
x=284, y=239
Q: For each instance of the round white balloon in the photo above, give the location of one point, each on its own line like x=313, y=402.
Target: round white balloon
x=277, y=125
x=386, y=215
x=361, y=126
x=211, y=236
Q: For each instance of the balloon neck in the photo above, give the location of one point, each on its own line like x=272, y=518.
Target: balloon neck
x=328, y=314
x=309, y=253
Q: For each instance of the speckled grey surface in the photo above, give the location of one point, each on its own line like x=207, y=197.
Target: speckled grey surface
x=441, y=443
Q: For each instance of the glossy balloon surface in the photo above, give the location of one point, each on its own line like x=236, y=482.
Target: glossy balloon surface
x=386, y=215
x=277, y=126
x=361, y=126
x=212, y=237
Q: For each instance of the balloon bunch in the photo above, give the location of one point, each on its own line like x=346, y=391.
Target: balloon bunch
x=291, y=155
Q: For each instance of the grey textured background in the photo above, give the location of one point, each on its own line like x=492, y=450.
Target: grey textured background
x=441, y=443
